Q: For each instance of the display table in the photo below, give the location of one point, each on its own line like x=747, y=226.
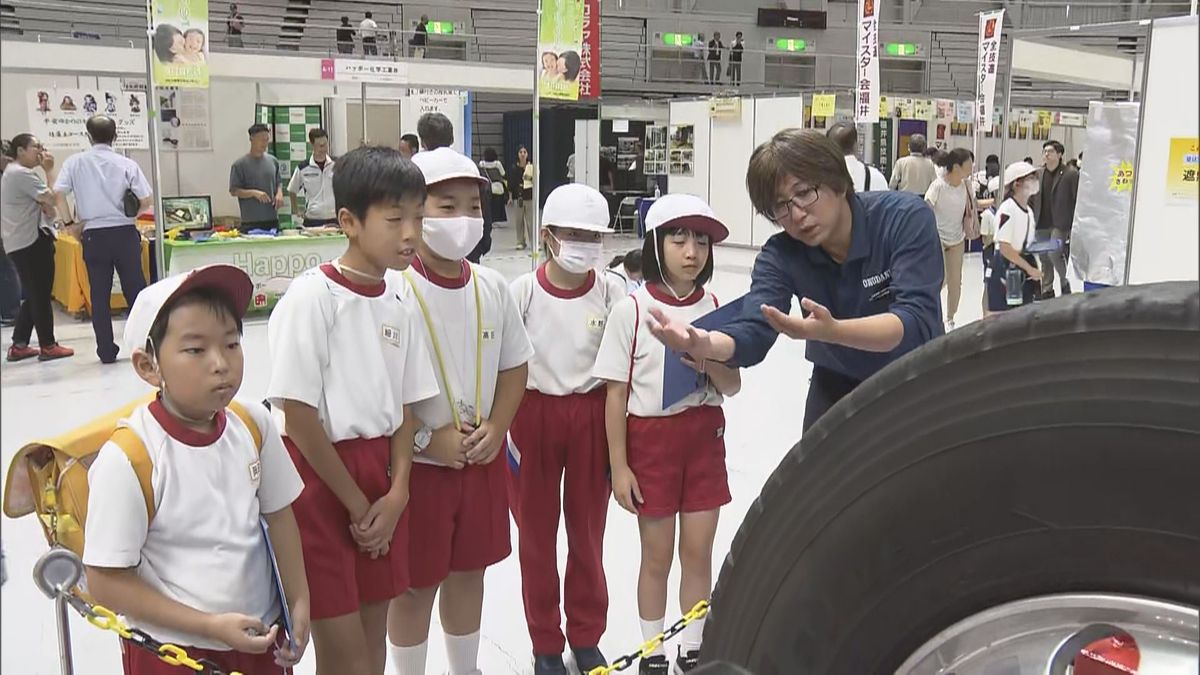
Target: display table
x=71, y=288
x=271, y=263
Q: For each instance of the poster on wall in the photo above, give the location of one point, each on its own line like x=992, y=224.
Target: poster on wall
x=449, y=102
x=655, y=160
x=681, y=153
x=823, y=105
x=922, y=109
x=179, y=41
x=184, y=119
x=1100, y=231
x=589, y=54
x=560, y=41
x=964, y=112
x=990, y=25
x=58, y=117
x=1183, y=162
x=866, y=89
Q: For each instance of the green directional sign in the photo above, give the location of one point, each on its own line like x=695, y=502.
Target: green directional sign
x=440, y=27
x=678, y=39
x=900, y=49
x=790, y=45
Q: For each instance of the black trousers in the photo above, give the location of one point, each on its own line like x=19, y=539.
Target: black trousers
x=35, y=266
x=826, y=388
x=106, y=250
x=369, y=47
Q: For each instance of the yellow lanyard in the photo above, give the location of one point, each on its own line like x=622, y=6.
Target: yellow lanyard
x=437, y=350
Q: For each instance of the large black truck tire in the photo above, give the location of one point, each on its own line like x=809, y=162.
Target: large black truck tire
x=1053, y=449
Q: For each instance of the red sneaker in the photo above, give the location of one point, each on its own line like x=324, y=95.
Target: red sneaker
x=55, y=352
x=21, y=352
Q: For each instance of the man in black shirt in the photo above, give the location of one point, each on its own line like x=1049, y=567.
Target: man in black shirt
x=345, y=37
x=420, y=38
x=233, y=26
x=735, y=60
x=1054, y=210
x=715, y=47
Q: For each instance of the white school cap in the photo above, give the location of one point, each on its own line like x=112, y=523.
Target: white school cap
x=1016, y=171
x=445, y=164
x=225, y=279
x=686, y=211
x=577, y=206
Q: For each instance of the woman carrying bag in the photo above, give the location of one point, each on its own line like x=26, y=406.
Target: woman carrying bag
x=957, y=220
x=520, y=185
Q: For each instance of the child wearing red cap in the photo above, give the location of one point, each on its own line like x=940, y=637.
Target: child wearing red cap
x=668, y=462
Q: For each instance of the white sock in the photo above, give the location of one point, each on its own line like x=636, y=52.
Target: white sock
x=409, y=660
x=463, y=653
x=650, y=629
x=692, y=635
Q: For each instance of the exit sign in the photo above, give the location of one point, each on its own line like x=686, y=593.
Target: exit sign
x=790, y=45
x=440, y=27
x=900, y=49
x=677, y=39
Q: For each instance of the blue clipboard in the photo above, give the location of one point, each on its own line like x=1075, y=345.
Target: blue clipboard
x=680, y=381
x=285, y=615
x=1044, y=246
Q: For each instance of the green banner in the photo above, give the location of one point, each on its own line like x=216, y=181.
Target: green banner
x=180, y=42
x=560, y=41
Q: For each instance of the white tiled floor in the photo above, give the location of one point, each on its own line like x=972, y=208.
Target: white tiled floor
x=46, y=399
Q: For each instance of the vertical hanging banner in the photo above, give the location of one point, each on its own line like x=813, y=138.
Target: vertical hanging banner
x=866, y=94
x=990, y=24
x=179, y=40
x=589, y=56
x=560, y=41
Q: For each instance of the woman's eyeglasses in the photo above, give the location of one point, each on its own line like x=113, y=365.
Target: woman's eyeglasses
x=802, y=198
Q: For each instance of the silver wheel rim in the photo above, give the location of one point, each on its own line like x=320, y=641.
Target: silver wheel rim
x=1041, y=636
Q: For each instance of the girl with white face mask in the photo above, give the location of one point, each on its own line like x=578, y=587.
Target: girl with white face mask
x=1013, y=276
x=559, y=430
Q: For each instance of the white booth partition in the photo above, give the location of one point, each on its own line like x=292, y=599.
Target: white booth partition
x=731, y=141
x=770, y=116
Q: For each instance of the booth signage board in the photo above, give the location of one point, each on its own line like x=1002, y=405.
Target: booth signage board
x=990, y=26
x=560, y=43
x=58, y=117
x=589, y=55
x=1182, y=167
x=823, y=105
x=1067, y=119
x=882, y=139
x=179, y=42
x=965, y=112
x=725, y=107
x=371, y=72
x=866, y=92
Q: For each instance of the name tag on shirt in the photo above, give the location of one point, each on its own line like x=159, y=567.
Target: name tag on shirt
x=595, y=323
x=256, y=471
x=391, y=335
x=489, y=334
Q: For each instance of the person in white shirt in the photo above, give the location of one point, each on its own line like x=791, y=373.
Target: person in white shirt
x=954, y=207
x=459, y=522
x=1015, y=226
x=628, y=268
x=103, y=182
x=560, y=428
x=668, y=464
x=866, y=178
x=367, y=29
x=186, y=558
x=347, y=365
x=314, y=179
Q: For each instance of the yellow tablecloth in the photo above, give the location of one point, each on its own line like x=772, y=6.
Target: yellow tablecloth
x=71, y=288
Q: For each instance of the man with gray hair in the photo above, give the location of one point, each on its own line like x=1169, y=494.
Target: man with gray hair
x=916, y=172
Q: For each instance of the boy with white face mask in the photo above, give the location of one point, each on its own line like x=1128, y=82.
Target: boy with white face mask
x=560, y=429
x=458, y=505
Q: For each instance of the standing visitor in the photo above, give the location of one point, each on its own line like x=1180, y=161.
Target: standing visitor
x=26, y=212
x=234, y=25
x=110, y=190
x=345, y=37
x=314, y=179
x=1015, y=279
x=410, y=144
x=10, y=283
x=916, y=172
x=715, y=47
x=866, y=178
x=954, y=207
x=420, y=38
x=735, y=59
x=493, y=170
x=367, y=29
x=254, y=180
x=520, y=186
x=1054, y=209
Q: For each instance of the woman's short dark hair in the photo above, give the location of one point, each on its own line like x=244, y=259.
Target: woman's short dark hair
x=651, y=268
x=375, y=174
x=955, y=157
x=489, y=154
x=804, y=153
x=164, y=39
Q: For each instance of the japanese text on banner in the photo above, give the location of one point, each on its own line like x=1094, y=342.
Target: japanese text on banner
x=560, y=41
x=990, y=25
x=180, y=42
x=866, y=95
x=589, y=55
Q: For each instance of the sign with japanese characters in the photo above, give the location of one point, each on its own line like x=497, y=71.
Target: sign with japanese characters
x=589, y=54
x=1182, y=166
x=823, y=105
x=179, y=40
x=58, y=117
x=990, y=24
x=866, y=92
x=356, y=70
x=560, y=42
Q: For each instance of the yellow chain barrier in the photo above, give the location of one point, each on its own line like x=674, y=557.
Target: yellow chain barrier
x=698, y=612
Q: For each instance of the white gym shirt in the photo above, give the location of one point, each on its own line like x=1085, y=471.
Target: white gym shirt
x=612, y=363
x=354, y=352
x=205, y=547
x=565, y=328
x=451, y=305
x=1015, y=225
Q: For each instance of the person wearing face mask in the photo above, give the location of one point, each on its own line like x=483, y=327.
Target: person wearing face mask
x=458, y=504
x=559, y=429
x=1013, y=276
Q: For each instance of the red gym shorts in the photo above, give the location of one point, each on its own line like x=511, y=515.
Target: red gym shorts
x=141, y=662
x=679, y=461
x=341, y=578
x=458, y=519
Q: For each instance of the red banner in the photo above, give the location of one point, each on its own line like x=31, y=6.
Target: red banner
x=589, y=69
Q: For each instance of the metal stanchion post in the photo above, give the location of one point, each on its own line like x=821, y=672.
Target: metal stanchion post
x=55, y=574
x=152, y=111
x=62, y=618
x=534, y=248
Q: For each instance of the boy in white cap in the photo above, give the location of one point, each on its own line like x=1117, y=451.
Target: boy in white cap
x=347, y=364
x=184, y=556
x=459, y=507
x=668, y=465
x=560, y=428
